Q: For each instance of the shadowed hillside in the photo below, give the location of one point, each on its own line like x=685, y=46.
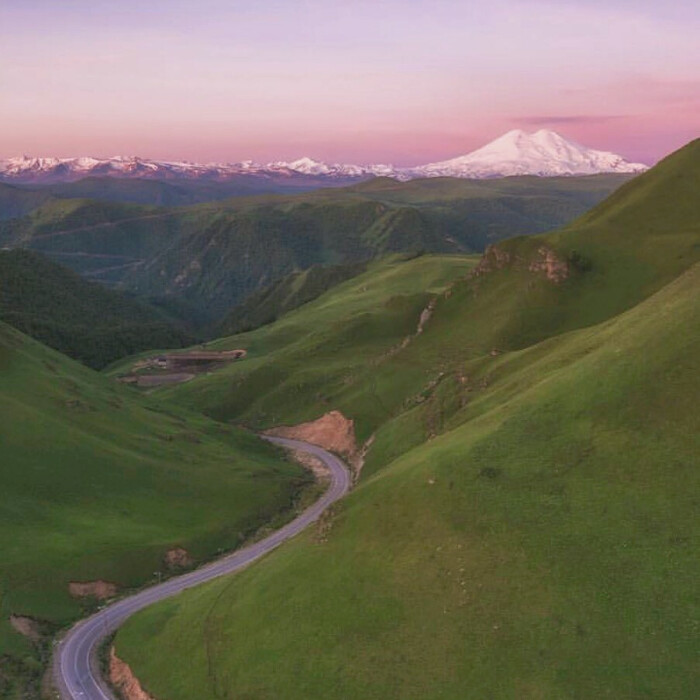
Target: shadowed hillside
x=82, y=319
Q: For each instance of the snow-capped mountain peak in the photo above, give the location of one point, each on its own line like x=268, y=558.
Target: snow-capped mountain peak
x=307, y=166
x=543, y=153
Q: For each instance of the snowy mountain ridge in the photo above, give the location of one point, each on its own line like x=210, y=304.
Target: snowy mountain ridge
x=543, y=153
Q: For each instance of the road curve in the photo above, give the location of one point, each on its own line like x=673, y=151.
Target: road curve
x=75, y=665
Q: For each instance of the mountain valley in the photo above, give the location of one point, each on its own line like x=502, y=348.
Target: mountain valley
x=511, y=407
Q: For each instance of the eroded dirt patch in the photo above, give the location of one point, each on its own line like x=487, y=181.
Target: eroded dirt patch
x=123, y=678
x=178, y=558
x=332, y=431
x=27, y=627
x=97, y=589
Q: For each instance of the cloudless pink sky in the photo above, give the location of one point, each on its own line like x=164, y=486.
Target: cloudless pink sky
x=399, y=81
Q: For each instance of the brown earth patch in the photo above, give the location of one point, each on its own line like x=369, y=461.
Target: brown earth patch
x=332, y=431
x=97, y=589
x=178, y=558
x=27, y=627
x=123, y=678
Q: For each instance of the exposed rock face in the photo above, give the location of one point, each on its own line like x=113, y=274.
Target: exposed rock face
x=494, y=258
x=123, y=678
x=178, y=558
x=545, y=261
x=425, y=316
x=97, y=589
x=555, y=269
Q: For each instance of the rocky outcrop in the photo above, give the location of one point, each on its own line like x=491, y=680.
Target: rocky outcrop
x=122, y=678
x=97, y=589
x=545, y=261
x=494, y=258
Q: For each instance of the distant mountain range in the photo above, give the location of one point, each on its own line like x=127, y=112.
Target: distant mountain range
x=543, y=153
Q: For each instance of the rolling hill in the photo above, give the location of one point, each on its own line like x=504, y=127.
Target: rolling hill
x=212, y=256
x=100, y=484
x=523, y=522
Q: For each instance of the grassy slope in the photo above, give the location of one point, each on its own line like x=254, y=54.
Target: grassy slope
x=539, y=549
x=322, y=355
x=539, y=544
x=99, y=483
x=77, y=317
x=284, y=295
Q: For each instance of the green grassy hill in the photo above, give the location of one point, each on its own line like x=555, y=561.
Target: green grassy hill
x=539, y=549
x=81, y=319
x=99, y=483
x=212, y=256
x=327, y=353
x=524, y=521
x=309, y=360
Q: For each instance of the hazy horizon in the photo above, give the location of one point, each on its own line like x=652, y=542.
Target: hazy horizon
x=383, y=82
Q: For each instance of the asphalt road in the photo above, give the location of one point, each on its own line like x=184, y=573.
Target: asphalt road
x=75, y=666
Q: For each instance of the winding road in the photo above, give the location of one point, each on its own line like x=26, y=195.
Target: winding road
x=75, y=664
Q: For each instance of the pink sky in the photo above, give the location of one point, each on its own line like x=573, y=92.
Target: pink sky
x=401, y=81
